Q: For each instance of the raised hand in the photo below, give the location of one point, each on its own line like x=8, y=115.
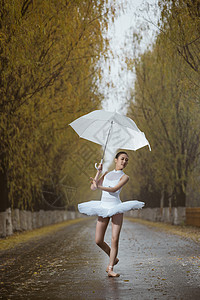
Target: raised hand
x=100, y=166
x=93, y=183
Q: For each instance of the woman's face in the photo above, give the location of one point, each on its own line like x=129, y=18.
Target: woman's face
x=121, y=162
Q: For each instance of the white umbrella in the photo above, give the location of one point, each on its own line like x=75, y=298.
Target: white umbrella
x=110, y=129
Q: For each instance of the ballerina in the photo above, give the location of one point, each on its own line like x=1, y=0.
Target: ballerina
x=110, y=206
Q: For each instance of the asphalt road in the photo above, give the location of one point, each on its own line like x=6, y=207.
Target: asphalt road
x=68, y=265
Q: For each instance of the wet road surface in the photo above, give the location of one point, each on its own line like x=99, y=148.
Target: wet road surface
x=68, y=265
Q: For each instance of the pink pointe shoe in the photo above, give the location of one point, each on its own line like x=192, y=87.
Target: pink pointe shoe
x=111, y=273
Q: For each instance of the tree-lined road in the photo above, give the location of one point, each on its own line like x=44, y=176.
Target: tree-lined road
x=68, y=265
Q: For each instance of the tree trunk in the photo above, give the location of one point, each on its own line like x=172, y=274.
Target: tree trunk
x=166, y=199
x=4, y=201
x=179, y=198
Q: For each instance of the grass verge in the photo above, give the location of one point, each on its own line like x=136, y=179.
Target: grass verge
x=181, y=230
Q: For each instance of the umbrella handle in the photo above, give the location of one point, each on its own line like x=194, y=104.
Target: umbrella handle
x=96, y=164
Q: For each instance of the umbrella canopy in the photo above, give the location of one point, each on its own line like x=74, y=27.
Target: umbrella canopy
x=110, y=129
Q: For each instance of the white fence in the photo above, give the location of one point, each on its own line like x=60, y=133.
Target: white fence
x=21, y=220
x=174, y=215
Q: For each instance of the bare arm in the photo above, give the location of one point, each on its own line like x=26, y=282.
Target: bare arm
x=100, y=181
x=96, y=180
x=122, y=182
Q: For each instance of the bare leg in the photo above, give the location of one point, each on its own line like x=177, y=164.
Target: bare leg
x=117, y=221
x=102, y=224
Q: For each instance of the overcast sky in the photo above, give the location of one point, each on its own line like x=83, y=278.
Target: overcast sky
x=135, y=16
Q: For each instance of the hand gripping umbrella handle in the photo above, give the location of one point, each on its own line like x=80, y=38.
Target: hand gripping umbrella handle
x=96, y=164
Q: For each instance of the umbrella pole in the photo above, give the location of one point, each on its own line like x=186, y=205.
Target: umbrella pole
x=104, y=150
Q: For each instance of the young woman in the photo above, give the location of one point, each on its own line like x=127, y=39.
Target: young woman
x=110, y=206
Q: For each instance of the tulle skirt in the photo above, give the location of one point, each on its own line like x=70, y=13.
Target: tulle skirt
x=108, y=208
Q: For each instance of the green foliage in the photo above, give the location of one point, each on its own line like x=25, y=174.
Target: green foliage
x=181, y=25
x=49, y=53
x=166, y=107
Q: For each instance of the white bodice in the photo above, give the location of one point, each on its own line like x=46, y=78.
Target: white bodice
x=110, y=180
x=110, y=203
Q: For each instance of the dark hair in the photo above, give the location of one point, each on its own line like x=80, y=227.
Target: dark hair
x=119, y=153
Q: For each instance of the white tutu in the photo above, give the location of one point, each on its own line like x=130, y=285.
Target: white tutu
x=96, y=208
x=110, y=203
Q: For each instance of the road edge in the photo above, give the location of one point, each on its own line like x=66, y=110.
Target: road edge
x=190, y=232
x=25, y=236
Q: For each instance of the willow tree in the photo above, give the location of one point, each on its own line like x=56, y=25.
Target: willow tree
x=48, y=77
x=166, y=108
x=180, y=22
